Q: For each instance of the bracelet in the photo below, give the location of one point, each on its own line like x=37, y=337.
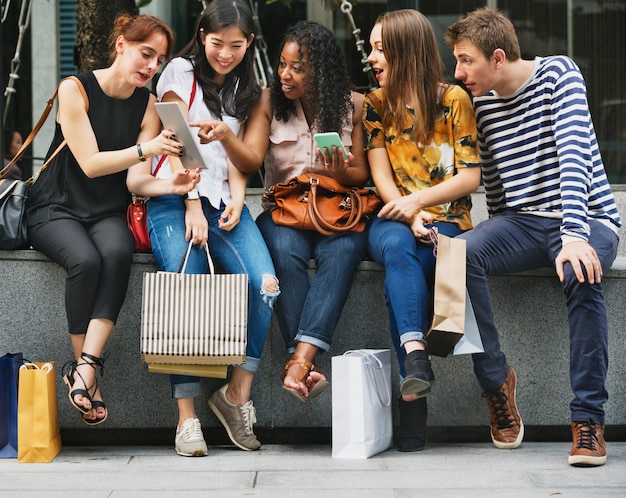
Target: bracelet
x=142, y=158
x=192, y=195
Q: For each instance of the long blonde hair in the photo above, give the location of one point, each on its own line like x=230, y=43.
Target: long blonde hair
x=414, y=70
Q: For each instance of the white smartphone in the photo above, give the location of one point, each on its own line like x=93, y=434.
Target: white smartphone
x=327, y=140
x=174, y=120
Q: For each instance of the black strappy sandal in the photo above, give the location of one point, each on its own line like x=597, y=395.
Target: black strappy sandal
x=68, y=378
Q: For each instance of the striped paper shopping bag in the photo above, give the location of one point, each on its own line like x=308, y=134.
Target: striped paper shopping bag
x=194, y=319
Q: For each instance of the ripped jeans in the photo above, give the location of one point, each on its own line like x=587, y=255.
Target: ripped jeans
x=242, y=250
x=308, y=311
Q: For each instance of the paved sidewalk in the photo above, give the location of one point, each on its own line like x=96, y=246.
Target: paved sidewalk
x=443, y=470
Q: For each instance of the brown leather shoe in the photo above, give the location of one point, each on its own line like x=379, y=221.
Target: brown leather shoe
x=588, y=445
x=507, y=429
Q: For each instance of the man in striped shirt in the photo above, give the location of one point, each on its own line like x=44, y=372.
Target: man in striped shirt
x=549, y=204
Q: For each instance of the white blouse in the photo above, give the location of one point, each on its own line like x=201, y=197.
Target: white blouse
x=178, y=77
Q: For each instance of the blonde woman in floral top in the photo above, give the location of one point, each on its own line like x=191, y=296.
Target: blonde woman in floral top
x=421, y=147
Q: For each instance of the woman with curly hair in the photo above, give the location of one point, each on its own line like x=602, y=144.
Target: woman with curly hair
x=311, y=93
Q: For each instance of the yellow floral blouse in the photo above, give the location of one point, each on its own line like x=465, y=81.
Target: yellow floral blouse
x=417, y=167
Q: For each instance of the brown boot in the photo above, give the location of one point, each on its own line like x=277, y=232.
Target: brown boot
x=507, y=429
x=588, y=445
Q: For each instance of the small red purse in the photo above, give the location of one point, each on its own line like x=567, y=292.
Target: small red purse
x=136, y=217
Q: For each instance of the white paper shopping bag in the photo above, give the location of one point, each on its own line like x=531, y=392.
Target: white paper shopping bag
x=361, y=415
x=470, y=342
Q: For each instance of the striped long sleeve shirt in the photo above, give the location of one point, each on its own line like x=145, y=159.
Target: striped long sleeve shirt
x=539, y=151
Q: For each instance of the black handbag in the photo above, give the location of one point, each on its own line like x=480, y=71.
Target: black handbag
x=14, y=193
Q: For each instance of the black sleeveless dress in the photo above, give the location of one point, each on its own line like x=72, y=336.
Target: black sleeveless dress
x=63, y=191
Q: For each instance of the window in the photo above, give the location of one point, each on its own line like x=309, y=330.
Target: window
x=590, y=32
x=594, y=37
x=67, y=37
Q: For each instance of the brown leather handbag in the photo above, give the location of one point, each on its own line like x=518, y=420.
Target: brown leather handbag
x=321, y=203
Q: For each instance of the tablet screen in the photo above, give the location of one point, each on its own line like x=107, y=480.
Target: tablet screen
x=174, y=120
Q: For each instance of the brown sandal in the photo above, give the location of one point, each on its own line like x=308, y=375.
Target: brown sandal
x=306, y=367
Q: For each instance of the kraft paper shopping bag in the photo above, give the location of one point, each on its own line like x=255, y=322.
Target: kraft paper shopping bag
x=39, y=433
x=361, y=403
x=9, y=369
x=449, y=298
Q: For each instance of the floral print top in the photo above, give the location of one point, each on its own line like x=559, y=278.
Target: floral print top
x=418, y=166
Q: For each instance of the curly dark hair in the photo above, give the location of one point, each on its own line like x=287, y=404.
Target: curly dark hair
x=240, y=90
x=329, y=88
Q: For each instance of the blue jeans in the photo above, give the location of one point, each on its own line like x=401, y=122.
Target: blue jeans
x=514, y=242
x=309, y=311
x=241, y=250
x=409, y=277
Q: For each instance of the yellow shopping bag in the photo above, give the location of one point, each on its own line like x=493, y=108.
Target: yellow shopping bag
x=38, y=430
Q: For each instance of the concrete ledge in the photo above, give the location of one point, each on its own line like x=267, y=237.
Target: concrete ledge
x=529, y=309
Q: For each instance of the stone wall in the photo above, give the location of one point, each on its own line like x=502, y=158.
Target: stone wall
x=529, y=309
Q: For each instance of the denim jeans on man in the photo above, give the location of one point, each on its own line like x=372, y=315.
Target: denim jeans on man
x=409, y=277
x=513, y=242
x=240, y=250
x=309, y=312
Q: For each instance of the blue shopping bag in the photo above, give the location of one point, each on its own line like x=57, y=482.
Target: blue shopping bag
x=9, y=367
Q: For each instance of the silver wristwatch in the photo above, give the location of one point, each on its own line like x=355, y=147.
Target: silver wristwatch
x=192, y=194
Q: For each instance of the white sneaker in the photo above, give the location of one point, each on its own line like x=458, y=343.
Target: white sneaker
x=189, y=439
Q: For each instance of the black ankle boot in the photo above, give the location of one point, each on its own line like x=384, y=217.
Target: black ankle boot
x=419, y=378
x=412, y=435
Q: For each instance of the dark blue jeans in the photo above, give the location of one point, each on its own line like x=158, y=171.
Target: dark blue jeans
x=514, y=242
x=309, y=311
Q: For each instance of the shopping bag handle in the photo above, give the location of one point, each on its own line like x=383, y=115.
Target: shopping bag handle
x=379, y=365
x=31, y=366
x=183, y=262
x=433, y=238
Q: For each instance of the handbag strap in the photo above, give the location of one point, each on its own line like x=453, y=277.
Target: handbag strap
x=183, y=262
x=320, y=224
x=37, y=127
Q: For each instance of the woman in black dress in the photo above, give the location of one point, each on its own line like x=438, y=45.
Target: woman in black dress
x=77, y=207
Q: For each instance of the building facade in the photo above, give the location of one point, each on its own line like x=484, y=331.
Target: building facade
x=592, y=32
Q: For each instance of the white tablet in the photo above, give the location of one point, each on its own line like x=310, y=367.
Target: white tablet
x=174, y=120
